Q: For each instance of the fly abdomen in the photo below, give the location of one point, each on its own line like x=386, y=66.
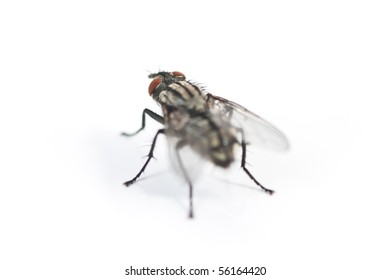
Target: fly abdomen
x=222, y=148
x=214, y=141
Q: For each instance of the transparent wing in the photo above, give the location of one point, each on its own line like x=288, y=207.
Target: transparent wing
x=255, y=128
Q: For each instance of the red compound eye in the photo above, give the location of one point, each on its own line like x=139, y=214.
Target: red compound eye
x=153, y=85
x=178, y=74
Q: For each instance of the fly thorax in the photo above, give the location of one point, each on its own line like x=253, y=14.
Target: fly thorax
x=179, y=120
x=199, y=104
x=163, y=98
x=184, y=95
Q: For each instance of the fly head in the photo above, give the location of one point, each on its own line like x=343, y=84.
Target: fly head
x=162, y=80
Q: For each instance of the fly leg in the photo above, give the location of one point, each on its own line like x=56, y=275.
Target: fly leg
x=243, y=164
x=150, y=156
x=151, y=114
x=180, y=145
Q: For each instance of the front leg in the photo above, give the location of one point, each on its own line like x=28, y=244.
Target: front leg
x=151, y=114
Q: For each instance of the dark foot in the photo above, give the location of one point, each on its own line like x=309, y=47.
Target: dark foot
x=128, y=183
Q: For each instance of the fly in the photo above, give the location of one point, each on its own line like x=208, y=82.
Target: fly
x=209, y=125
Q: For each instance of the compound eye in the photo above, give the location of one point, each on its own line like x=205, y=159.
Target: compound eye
x=153, y=85
x=179, y=75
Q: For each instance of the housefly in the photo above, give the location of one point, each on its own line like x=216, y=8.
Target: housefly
x=211, y=126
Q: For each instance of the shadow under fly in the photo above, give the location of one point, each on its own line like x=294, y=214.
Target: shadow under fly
x=210, y=125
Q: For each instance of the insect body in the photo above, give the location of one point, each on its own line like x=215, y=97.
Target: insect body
x=210, y=125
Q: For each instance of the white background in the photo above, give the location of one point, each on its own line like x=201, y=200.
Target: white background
x=74, y=75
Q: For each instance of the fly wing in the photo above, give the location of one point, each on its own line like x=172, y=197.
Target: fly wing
x=255, y=128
